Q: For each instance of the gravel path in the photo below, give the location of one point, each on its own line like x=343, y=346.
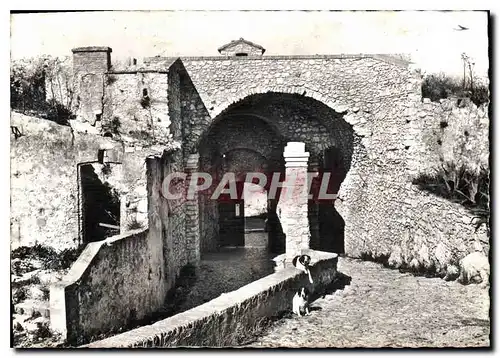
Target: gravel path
x=384, y=308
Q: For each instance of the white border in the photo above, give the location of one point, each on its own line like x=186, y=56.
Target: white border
x=198, y=5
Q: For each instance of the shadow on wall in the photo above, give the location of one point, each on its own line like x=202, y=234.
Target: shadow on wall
x=335, y=162
x=331, y=227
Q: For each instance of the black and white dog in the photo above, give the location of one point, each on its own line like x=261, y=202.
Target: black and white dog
x=301, y=302
x=302, y=263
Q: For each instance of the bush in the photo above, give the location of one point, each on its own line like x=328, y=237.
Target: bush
x=462, y=185
x=51, y=259
x=42, y=86
x=441, y=86
x=133, y=224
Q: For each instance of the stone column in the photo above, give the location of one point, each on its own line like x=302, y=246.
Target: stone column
x=313, y=210
x=292, y=204
x=192, y=213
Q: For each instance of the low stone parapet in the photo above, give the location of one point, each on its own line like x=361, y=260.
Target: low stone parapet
x=228, y=319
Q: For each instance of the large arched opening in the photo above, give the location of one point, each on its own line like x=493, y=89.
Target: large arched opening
x=249, y=136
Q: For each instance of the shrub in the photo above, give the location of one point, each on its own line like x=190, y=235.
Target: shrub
x=133, y=224
x=113, y=126
x=441, y=86
x=460, y=184
x=51, y=259
x=43, y=86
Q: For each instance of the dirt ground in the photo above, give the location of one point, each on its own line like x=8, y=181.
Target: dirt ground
x=385, y=308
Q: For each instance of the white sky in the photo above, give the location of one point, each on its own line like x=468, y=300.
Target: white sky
x=429, y=36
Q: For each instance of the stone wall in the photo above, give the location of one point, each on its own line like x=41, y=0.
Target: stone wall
x=45, y=194
x=113, y=284
x=167, y=218
x=390, y=219
x=226, y=320
x=380, y=103
x=44, y=181
x=137, y=110
x=453, y=130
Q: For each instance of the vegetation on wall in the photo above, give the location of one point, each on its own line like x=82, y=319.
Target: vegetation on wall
x=441, y=86
x=50, y=258
x=42, y=86
x=112, y=126
x=460, y=184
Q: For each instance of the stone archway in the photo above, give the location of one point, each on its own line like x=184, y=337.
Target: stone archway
x=247, y=125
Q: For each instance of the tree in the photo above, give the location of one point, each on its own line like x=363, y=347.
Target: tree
x=42, y=86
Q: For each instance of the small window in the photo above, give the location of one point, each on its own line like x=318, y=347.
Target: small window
x=242, y=54
x=145, y=92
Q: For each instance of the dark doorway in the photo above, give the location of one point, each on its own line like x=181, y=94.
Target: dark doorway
x=100, y=207
x=232, y=223
x=232, y=219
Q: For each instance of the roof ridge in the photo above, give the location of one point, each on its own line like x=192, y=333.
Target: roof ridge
x=241, y=39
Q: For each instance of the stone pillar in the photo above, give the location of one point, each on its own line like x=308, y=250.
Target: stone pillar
x=192, y=213
x=313, y=211
x=292, y=204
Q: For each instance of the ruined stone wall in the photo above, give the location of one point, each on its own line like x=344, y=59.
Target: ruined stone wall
x=137, y=108
x=89, y=68
x=45, y=186
x=44, y=183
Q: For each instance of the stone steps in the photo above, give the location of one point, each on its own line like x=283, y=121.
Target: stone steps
x=26, y=279
x=33, y=308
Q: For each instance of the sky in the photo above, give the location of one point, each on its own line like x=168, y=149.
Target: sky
x=430, y=37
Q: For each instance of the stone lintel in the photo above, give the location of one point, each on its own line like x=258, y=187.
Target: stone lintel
x=92, y=49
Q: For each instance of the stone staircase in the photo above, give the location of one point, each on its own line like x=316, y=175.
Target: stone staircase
x=30, y=301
